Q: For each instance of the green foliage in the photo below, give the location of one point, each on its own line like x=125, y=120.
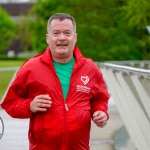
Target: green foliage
x=25, y=33
x=38, y=26
x=138, y=17
x=107, y=30
x=137, y=12
x=7, y=30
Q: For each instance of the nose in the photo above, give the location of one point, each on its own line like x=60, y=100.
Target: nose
x=61, y=37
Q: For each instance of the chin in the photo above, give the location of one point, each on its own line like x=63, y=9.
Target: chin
x=62, y=51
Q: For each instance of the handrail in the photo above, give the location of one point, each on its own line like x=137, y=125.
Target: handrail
x=133, y=63
x=126, y=68
x=129, y=87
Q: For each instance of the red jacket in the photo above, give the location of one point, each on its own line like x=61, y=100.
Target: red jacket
x=66, y=124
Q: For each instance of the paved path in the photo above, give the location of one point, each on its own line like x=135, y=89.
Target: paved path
x=15, y=133
x=103, y=138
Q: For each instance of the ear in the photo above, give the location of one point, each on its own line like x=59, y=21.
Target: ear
x=47, y=38
x=76, y=38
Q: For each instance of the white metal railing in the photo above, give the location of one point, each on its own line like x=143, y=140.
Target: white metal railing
x=130, y=89
x=145, y=64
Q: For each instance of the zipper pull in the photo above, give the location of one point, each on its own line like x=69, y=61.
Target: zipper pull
x=66, y=107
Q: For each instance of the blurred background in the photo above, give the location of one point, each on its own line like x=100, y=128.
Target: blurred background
x=110, y=30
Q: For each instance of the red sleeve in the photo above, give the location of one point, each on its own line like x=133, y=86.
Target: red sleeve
x=16, y=103
x=99, y=102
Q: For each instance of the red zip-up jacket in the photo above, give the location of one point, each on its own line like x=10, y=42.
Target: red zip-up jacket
x=66, y=124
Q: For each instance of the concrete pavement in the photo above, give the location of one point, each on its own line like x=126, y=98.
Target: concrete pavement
x=103, y=138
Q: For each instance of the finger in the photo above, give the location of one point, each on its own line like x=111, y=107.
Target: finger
x=43, y=105
x=41, y=101
x=102, y=124
x=46, y=97
x=96, y=114
x=100, y=120
x=40, y=109
x=100, y=117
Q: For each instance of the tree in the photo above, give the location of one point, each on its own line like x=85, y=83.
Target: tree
x=93, y=23
x=138, y=17
x=41, y=12
x=7, y=30
x=107, y=30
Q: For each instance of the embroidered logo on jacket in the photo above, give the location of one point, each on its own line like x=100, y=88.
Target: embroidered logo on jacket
x=83, y=88
x=85, y=79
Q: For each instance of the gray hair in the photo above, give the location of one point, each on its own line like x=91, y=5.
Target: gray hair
x=61, y=17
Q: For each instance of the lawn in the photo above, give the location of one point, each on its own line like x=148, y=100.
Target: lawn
x=10, y=63
x=5, y=77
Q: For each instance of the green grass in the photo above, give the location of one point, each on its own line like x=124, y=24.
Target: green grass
x=5, y=77
x=10, y=63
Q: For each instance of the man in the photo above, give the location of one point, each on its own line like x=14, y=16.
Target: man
x=60, y=91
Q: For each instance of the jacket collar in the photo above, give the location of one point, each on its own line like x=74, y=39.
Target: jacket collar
x=47, y=58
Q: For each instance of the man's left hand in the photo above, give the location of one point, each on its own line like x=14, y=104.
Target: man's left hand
x=100, y=118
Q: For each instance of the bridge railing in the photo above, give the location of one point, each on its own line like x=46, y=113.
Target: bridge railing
x=130, y=89
x=145, y=64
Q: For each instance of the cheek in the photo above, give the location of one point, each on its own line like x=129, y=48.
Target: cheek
x=52, y=43
x=73, y=42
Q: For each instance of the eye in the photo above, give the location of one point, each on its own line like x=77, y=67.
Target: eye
x=68, y=33
x=55, y=33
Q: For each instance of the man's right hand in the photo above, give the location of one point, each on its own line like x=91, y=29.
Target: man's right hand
x=40, y=103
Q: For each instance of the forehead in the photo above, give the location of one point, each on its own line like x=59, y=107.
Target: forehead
x=57, y=24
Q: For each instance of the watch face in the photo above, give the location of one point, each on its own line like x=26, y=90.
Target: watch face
x=1, y=127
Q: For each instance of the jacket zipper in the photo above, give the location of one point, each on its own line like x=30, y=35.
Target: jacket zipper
x=66, y=107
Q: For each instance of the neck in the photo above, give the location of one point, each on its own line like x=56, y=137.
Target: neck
x=62, y=60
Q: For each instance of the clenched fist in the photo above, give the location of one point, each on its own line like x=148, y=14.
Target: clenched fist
x=100, y=118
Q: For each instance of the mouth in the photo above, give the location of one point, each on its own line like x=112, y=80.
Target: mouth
x=61, y=44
